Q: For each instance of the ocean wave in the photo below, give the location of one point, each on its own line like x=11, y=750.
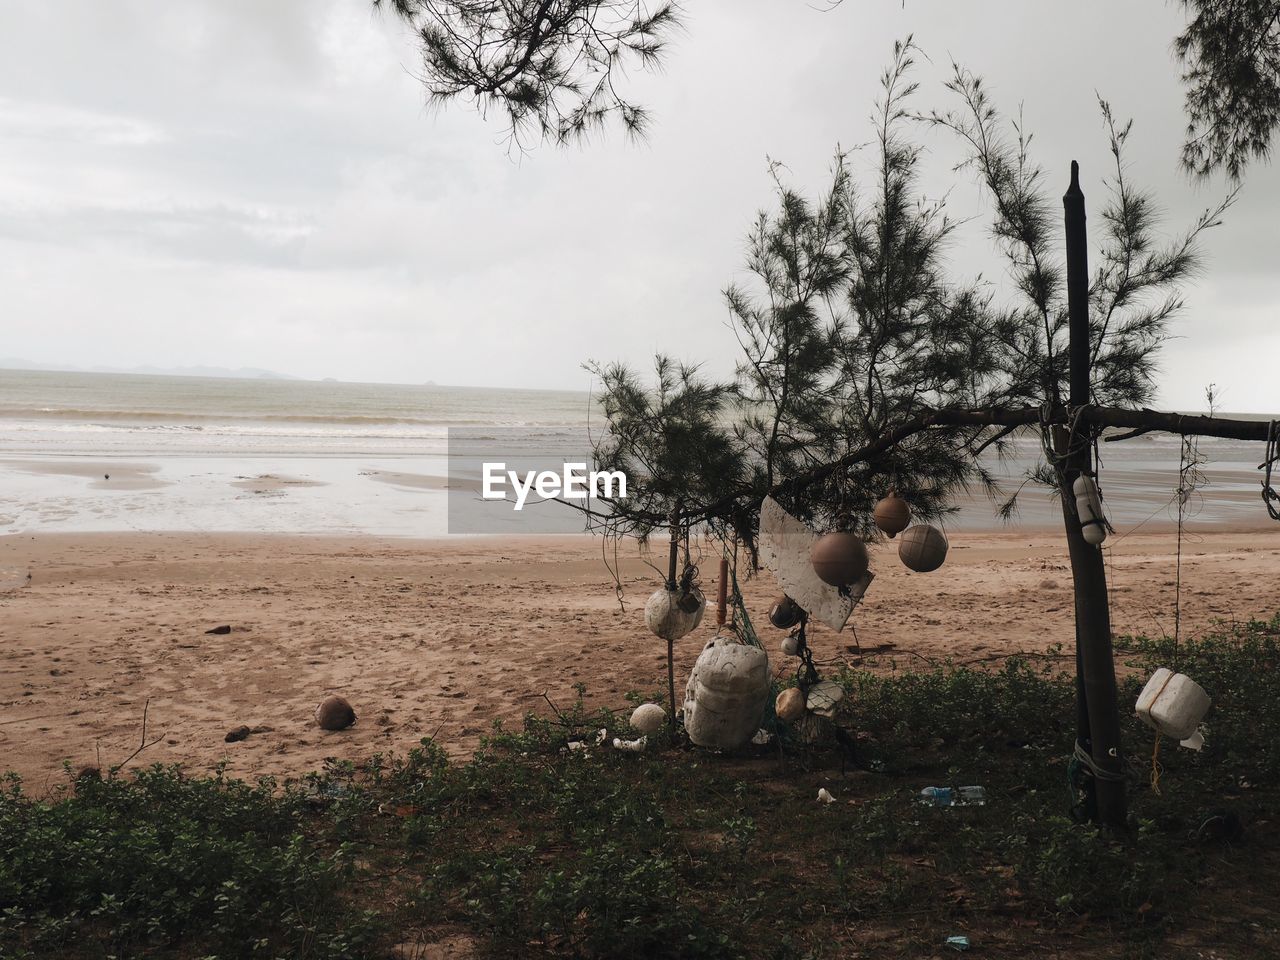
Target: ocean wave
x=181, y=418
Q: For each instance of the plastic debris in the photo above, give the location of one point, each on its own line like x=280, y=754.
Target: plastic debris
x=784, y=545
x=1195, y=741
x=958, y=943
x=631, y=746
x=824, y=796
x=823, y=698
x=762, y=737
x=959, y=797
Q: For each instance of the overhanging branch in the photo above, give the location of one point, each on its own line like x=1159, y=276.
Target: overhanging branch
x=1010, y=418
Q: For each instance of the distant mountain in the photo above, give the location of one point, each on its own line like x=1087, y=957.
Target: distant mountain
x=240, y=373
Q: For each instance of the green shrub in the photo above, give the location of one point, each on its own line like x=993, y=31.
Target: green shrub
x=155, y=859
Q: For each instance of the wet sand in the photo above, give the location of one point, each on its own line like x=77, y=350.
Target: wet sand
x=101, y=474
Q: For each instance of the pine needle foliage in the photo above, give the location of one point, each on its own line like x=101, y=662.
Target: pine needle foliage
x=852, y=333
x=1230, y=52
x=549, y=67
x=552, y=68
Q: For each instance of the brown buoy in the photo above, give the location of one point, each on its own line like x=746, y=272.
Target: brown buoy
x=785, y=613
x=839, y=558
x=790, y=705
x=923, y=548
x=334, y=713
x=892, y=514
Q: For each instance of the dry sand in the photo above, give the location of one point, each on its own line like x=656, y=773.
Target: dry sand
x=443, y=637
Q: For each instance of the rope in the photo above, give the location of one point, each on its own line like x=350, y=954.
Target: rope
x=1046, y=439
x=1269, y=495
x=1082, y=757
x=1155, y=753
x=1156, y=769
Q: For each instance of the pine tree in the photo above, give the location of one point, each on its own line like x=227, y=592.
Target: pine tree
x=1231, y=52
x=550, y=66
x=865, y=366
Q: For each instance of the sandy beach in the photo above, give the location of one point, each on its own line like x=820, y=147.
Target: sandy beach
x=444, y=637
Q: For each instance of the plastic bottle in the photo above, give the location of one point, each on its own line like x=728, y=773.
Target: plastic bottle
x=959, y=797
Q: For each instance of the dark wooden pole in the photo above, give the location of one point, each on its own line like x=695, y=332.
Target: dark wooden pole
x=672, y=583
x=1099, y=719
x=722, y=593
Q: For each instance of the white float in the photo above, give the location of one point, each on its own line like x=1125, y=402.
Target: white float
x=648, y=718
x=665, y=619
x=1089, y=508
x=727, y=692
x=1173, y=704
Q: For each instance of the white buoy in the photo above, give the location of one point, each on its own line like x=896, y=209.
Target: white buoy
x=665, y=618
x=726, y=694
x=1089, y=508
x=1173, y=704
x=648, y=718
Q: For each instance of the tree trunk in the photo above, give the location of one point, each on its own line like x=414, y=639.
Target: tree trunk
x=1097, y=713
x=1099, y=721
x=672, y=558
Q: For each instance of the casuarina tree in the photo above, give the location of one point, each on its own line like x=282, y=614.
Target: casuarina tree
x=866, y=366
x=554, y=69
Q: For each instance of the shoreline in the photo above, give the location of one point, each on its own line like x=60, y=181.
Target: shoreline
x=444, y=636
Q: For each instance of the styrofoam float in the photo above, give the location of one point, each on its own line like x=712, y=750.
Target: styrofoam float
x=726, y=695
x=1173, y=704
x=664, y=617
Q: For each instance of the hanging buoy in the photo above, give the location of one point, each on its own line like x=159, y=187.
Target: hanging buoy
x=923, y=548
x=1172, y=703
x=665, y=615
x=1089, y=508
x=791, y=645
x=892, y=514
x=785, y=613
x=790, y=706
x=839, y=558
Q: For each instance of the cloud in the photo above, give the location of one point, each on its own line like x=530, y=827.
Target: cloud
x=241, y=183
x=64, y=124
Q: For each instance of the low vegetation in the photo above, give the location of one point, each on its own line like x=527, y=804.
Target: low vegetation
x=530, y=849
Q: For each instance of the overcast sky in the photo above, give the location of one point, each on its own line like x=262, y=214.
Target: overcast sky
x=246, y=183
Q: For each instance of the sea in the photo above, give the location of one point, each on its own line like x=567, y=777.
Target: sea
x=86, y=452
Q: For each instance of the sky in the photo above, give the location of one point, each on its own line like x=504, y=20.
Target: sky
x=245, y=184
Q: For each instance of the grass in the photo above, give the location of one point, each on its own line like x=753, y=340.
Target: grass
x=531, y=850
